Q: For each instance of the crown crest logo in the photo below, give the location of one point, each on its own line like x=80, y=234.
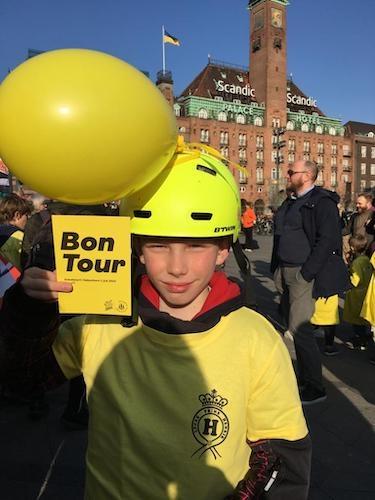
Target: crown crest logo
x=213, y=399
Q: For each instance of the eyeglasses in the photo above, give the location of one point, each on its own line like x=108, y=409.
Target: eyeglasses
x=292, y=172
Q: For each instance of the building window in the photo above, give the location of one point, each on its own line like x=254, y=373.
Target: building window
x=182, y=130
x=306, y=156
x=372, y=168
x=242, y=140
x=224, y=137
x=333, y=161
x=371, y=135
x=273, y=156
x=332, y=131
x=218, y=98
x=372, y=152
x=345, y=178
x=319, y=129
x=205, y=135
x=345, y=164
x=177, y=109
x=290, y=125
x=258, y=122
x=320, y=147
x=224, y=152
x=292, y=144
x=304, y=127
x=259, y=141
x=320, y=179
x=259, y=174
x=346, y=150
x=274, y=173
x=242, y=154
x=291, y=157
x=363, y=168
x=259, y=155
x=222, y=116
x=319, y=160
x=275, y=122
x=333, y=178
x=203, y=113
x=240, y=119
x=334, y=149
x=306, y=146
x=372, y=184
x=362, y=184
x=242, y=177
x=363, y=151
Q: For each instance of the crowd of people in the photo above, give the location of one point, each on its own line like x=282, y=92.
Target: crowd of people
x=197, y=362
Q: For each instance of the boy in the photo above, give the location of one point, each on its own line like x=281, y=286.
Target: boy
x=14, y=212
x=182, y=400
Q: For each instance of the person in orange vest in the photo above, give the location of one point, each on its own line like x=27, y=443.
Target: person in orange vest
x=248, y=219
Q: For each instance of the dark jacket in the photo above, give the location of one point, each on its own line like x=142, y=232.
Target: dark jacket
x=321, y=224
x=360, y=223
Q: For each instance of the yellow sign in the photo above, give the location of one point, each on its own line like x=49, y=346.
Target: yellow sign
x=94, y=254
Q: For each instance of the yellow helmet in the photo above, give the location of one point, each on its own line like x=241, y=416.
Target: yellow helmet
x=195, y=196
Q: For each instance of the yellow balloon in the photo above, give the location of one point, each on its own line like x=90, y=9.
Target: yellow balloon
x=82, y=126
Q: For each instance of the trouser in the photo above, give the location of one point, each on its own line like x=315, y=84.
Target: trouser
x=298, y=304
x=248, y=237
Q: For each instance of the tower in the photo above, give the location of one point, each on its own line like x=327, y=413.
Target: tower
x=268, y=57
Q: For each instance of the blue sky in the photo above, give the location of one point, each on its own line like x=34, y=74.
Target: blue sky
x=330, y=42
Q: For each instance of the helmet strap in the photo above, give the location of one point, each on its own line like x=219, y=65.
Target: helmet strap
x=245, y=268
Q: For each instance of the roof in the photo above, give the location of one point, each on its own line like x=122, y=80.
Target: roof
x=228, y=82
x=359, y=128
x=234, y=82
x=308, y=109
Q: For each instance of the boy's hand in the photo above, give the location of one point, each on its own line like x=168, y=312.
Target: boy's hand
x=41, y=284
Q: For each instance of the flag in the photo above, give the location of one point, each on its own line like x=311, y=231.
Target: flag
x=170, y=39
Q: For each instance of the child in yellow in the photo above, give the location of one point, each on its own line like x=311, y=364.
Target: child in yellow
x=368, y=308
x=195, y=400
x=360, y=275
x=326, y=315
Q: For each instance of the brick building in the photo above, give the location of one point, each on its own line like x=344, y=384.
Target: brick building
x=362, y=137
x=238, y=112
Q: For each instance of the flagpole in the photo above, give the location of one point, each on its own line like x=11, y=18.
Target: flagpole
x=162, y=39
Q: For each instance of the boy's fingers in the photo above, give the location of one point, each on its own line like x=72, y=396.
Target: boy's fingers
x=41, y=280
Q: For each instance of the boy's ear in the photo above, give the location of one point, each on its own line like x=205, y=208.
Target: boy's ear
x=222, y=256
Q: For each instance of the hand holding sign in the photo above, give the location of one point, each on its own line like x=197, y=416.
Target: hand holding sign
x=84, y=127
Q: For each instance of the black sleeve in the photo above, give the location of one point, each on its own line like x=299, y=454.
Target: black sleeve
x=279, y=470
x=326, y=238
x=348, y=228
x=28, y=328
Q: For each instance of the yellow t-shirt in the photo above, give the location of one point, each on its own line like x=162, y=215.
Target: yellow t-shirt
x=170, y=414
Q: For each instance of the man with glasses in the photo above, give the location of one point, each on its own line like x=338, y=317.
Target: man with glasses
x=307, y=264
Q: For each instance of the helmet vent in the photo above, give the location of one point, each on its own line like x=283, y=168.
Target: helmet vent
x=201, y=216
x=208, y=170
x=142, y=214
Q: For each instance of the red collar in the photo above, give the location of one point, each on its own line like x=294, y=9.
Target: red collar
x=222, y=290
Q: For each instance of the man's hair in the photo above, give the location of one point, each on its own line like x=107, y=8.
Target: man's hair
x=12, y=204
x=313, y=168
x=359, y=243
x=368, y=196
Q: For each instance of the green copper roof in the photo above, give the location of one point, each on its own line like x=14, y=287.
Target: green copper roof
x=193, y=105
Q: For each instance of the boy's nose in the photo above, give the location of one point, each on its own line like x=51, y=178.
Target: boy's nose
x=177, y=265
